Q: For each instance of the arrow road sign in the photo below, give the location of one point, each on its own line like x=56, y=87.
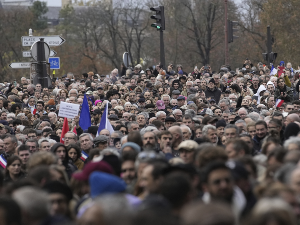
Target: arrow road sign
x=50, y=40
x=27, y=54
x=20, y=65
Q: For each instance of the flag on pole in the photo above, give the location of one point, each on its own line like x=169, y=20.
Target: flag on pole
x=273, y=71
x=74, y=130
x=104, y=123
x=279, y=102
x=3, y=162
x=85, y=116
x=65, y=129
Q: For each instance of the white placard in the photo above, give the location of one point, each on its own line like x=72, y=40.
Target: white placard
x=68, y=110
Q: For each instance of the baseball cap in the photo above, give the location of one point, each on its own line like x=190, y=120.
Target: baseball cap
x=188, y=145
x=160, y=104
x=91, y=167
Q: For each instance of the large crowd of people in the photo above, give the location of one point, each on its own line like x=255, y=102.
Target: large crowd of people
x=207, y=147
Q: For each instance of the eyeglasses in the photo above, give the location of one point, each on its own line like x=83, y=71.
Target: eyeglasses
x=68, y=138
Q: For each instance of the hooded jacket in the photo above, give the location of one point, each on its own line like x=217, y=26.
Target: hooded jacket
x=67, y=162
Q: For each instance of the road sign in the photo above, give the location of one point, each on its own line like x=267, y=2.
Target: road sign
x=54, y=63
x=20, y=65
x=50, y=40
x=34, y=50
x=27, y=54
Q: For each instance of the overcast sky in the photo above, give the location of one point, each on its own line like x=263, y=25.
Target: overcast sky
x=58, y=2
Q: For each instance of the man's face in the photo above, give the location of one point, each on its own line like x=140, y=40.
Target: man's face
x=187, y=156
x=165, y=141
x=220, y=185
x=9, y=145
x=147, y=182
x=180, y=102
x=69, y=139
x=127, y=107
x=178, y=115
x=296, y=107
x=132, y=97
x=168, y=124
x=128, y=171
x=218, y=112
x=37, y=95
x=152, y=80
x=126, y=116
x=211, y=85
x=162, y=118
x=72, y=100
x=248, y=140
x=114, y=103
x=134, y=127
x=32, y=136
x=231, y=153
x=141, y=120
x=255, y=81
x=230, y=133
x=271, y=102
x=45, y=146
x=149, y=140
x=271, y=88
x=39, y=107
x=261, y=131
x=212, y=136
x=241, y=127
x=85, y=143
x=166, y=100
x=289, y=108
x=242, y=114
x=102, y=145
x=223, y=106
x=147, y=95
x=38, y=87
x=185, y=133
x=59, y=204
x=24, y=156
x=188, y=122
x=32, y=146
x=4, y=116
x=220, y=131
x=1, y=145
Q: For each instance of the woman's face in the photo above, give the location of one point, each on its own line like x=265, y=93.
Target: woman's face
x=63, y=94
x=176, y=86
x=252, y=131
x=223, y=140
x=73, y=154
x=198, y=133
x=148, y=102
x=280, y=83
x=15, y=167
x=99, y=104
x=61, y=153
x=58, y=132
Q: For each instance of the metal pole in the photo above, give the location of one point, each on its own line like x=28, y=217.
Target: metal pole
x=41, y=65
x=269, y=44
x=226, y=35
x=162, y=49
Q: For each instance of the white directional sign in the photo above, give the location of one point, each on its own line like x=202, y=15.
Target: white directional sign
x=20, y=65
x=27, y=54
x=50, y=40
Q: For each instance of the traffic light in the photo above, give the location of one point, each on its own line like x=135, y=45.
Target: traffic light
x=231, y=30
x=159, y=17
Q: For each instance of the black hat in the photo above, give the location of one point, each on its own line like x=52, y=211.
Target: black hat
x=148, y=106
x=221, y=123
x=183, y=77
x=141, y=100
x=170, y=119
x=99, y=88
x=212, y=80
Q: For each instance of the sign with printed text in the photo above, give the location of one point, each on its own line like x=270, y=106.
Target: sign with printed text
x=68, y=110
x=50, y=40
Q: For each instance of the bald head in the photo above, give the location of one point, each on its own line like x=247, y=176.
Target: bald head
x=175, y=130
x=291, y=119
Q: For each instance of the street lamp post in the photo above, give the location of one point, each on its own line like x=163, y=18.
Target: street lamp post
x=226, y=34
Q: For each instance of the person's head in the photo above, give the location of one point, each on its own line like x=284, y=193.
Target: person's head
x=210, y=132
x=86, y=142
x=133, y=126
x=187, y=151
x=241, y=124
x=242, y=113
x=218, y=182
x=261, y=128
x=149, y=140
x=186, y=132
x=236, y=148
x=24, y=153
x=73, y=152
x=142, y=120
x=13, y=166
x=10, y=144
x=60, y=151
x=44, y=144
x=211, y=84
x=231, y=131
x=33, y=145
x=59, y=195
x=128, y=167
x=188, y=121
x=70, y=138
x=280, y=82
x=165, y=139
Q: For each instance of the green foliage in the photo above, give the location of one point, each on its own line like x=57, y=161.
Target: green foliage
x=38, y=9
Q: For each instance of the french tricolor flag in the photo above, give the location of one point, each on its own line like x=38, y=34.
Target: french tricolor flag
x=104, y=123
x=279, y=102
x=3, y=162
x=84, y=156
x=273, y=71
